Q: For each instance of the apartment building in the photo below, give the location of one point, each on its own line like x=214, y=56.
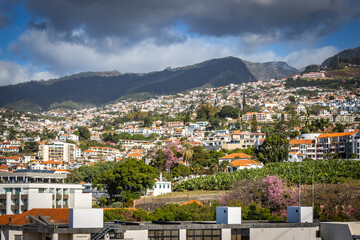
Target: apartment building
x=174, y=124
x=105, y=151
x=322, y=146
x=313, y=75
x=260, y=117
x=59, y=151
x=307, y=147
x=23, y=190
x=243, y=139
x=337, y=143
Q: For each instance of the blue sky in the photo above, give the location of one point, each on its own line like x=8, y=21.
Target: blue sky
x=44, y=40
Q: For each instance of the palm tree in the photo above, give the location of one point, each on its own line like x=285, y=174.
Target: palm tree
x=223, y=166
x=187, y=153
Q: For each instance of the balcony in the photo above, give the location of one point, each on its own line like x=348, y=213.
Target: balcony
x=14, y=207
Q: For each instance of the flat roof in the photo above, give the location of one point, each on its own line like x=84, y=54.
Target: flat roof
x=122, y=226
x=34, y=174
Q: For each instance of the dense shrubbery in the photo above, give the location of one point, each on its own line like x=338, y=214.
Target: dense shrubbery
x=324, y=171
x=169, y=212
x=189, y=212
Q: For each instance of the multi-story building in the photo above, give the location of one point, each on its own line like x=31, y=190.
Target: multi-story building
x=58, y=151
x=26, y=189
x=243, y=139
x=337, y=143
x=174, y=124
x=321, y=146
x=260, y=117
x=105, y=151
x=67, y=136
x=305, y=146
x=313, y=75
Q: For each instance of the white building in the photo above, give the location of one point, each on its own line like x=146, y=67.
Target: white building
x=67, y=136
x=27, y=189
x=58, y=151
x=160, y=187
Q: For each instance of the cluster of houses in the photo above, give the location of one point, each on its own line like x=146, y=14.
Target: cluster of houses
x=269, y=99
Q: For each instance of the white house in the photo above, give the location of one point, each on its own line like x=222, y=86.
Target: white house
x=160, y=187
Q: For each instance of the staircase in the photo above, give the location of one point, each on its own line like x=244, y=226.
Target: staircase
x=101, y=234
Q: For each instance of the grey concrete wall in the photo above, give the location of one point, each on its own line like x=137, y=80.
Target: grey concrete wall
x=283, y=233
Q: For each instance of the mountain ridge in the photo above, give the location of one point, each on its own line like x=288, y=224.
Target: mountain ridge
x=98, y=88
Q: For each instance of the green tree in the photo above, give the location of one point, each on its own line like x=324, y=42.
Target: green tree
x=206, y=111
x=274, y=149
x=292, y=99
x=254, y=124
x=147, y=122
x=228, y=111
x=339, y=128
x=31, y=147
x=187, y=118
x=89, y=173
x=181, y=171
x=83, y=133
x=128, y=180
x=187, y=152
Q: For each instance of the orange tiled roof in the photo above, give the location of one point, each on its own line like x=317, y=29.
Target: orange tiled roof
x=56, y=215
x=13, y=157
x=51, y=162
x=342, y=134
x=243, y=163
x=135, y=155
x=299, y=153
x=192, y=201
x=301, y=141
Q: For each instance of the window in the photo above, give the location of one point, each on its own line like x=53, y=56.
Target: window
x=240, y=234
x=203, y=234
x=163, y=234
x=18, y=237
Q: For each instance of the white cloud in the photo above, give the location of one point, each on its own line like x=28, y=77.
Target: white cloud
x=304, y=57
x=64, y=57
x=61, y=56
x=12, y=73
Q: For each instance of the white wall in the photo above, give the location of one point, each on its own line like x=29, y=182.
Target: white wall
x=226, y=233
x=86, y=218
x=80, y=200
x=39, y=200
x=283, y=233
x=162, y=190
x=136, y=235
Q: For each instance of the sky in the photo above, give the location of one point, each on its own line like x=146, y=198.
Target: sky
x=53, y=38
